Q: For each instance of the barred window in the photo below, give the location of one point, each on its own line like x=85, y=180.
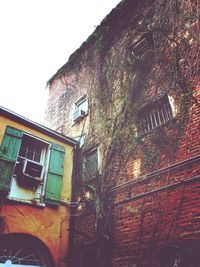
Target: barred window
x=156, y=115
x=142, y=46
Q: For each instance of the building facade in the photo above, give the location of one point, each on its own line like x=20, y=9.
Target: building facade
x=36, y=169
x=138, y=185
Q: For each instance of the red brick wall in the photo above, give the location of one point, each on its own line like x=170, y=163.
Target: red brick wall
x=160, y=209
x=156, y=201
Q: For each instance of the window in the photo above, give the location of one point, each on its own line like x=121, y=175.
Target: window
x=155, y=115
x=80, y=109
x=30, y=162
x=142, y=46
x=91, y=164
x=31, y=169
x=30, y=150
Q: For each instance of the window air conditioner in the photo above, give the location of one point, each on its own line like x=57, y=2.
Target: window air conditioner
x=32, y=170
x=78, y=115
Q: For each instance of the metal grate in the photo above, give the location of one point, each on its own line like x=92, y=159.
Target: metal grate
x=155, y=116
x=142, y=46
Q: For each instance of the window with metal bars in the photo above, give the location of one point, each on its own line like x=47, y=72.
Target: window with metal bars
x=142, y=46
x=155, y=115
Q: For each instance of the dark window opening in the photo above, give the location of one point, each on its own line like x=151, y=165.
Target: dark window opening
x=91, y=163
x=30, y=149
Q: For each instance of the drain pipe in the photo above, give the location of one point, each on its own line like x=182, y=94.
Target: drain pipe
x=73, y=208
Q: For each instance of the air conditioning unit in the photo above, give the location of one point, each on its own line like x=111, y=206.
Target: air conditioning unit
x=79, y=114
x=32, y=170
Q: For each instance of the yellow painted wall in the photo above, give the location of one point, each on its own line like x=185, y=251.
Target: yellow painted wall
x=48, y=224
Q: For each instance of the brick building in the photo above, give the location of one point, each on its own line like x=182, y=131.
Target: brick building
x=131, y=95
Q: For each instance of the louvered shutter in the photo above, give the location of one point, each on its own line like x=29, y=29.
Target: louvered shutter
x=55, y=175
x=8, y=154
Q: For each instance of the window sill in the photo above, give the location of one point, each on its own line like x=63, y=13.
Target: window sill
x=159, y=128
x=79, y=121
x=30, y=202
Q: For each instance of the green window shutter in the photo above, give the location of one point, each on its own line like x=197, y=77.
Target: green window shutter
x=55, y=175
x=8, y=154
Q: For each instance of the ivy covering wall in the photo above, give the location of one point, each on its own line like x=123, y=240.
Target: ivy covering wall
x=124, y=82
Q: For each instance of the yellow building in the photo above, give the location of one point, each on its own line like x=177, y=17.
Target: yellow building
x=36, y=172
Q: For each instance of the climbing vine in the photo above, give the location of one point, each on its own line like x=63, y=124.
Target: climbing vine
x=125, y=86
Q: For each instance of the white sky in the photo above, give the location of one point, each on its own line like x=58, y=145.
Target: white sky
x=36, y=39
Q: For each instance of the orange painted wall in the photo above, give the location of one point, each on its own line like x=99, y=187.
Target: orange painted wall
x=49, y=224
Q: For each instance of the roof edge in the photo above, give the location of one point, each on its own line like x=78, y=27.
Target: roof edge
x=36, y=126
x=89, y=41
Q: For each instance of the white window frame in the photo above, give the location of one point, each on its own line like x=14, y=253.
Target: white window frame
x=78, y=107
x=33, y=194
